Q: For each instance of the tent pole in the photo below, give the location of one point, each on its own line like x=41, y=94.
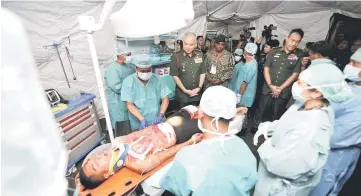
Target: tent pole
x=100, y=84
x=220, y=7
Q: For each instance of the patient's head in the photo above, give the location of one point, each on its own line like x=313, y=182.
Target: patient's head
x=96, y=167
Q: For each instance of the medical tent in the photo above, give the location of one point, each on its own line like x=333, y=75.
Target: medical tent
x=49, y=22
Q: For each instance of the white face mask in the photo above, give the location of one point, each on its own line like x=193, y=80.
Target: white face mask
x=144, y=76
x=128, y=59
x=296, y=93
x=297, y=90
x=352, y=73
x=237, y=58
x=215, y=131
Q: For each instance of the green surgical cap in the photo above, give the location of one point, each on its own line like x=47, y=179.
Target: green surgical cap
x=142, y=61
x=329, y=80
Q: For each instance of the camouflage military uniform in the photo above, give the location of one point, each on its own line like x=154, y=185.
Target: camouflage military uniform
x=222, y=68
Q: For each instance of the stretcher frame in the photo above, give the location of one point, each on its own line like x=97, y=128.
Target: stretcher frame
x=120, y=183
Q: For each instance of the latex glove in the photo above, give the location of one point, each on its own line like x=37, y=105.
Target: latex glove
x=158, y=119
x=239, y=98
x=262, y=130
x=143, y=124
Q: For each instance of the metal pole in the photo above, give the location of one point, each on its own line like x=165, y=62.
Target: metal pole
x=61, y=62
x=100, y=85
x=71, y=66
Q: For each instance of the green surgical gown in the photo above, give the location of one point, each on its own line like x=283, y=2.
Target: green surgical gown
x=114, y=77
x=147, y=98
x=208, y=169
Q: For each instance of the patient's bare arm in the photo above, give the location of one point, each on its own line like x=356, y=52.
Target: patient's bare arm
x=153, y=160
x=242, y=110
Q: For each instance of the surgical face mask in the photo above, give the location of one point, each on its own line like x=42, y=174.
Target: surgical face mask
x=144, y=76
x=128, y=59
x=352, y=73
x=200, y=127
x=215, y=131
x=296, y=92
x=237, y=58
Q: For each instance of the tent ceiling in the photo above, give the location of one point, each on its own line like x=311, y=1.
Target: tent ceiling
x=51, y=21
x=240, y=12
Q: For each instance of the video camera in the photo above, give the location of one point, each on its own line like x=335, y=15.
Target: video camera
x=267, y=32
x=246, y=33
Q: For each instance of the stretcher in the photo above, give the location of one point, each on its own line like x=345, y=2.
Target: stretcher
x=120, y=183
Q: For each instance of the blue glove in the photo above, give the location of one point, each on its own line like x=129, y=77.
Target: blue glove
x=158, y=119
x=143, y=124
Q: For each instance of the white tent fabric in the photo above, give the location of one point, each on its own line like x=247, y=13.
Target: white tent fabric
x=48, y=22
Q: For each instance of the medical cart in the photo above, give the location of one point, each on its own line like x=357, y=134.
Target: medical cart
x=79, y=127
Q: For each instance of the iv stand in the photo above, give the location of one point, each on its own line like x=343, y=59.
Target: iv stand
x=56, y=46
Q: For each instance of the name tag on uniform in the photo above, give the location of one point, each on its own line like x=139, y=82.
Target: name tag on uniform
x=213, y=69
x=198, y=60
x=277, y=55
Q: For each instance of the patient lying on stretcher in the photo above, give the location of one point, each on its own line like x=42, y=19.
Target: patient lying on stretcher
x=143, y=150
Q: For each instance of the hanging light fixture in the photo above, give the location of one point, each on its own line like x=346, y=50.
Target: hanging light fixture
x=145, y=18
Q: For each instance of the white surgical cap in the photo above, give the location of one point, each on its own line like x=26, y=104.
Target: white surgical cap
x=219, y=102
x=329, y=80
x=142, y=61
x=238, y=51
x=123, y=50
x=251, y=48
x=357, y=55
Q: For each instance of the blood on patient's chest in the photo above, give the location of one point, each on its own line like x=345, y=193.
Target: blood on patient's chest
x=158, y=138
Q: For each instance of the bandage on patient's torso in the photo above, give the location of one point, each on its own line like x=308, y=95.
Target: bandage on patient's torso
x=159, y=137
x=178, y=128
